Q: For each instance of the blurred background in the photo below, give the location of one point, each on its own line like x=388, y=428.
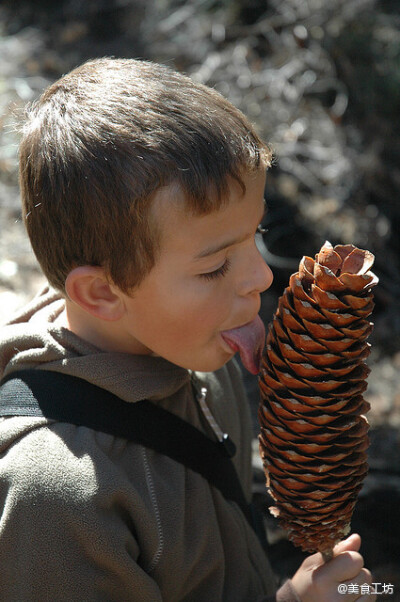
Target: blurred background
x=321, y=81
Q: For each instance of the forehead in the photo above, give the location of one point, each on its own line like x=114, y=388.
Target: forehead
x=180, y=230
x=171, y=198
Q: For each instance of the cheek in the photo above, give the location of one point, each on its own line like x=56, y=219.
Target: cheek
x=208, y=301
x=199, y=311
x=181, y=311
x=197, y=314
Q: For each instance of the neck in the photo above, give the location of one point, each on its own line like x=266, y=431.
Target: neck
x=103, y=334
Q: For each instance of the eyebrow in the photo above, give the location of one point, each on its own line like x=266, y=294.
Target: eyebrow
x=214, y=249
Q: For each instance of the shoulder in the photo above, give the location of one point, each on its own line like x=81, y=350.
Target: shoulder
x=53, y=462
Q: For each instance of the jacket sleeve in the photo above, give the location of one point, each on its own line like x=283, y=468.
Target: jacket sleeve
x=286, y=593
x=65, y=534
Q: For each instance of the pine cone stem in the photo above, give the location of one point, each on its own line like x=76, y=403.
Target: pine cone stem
x=327, y=555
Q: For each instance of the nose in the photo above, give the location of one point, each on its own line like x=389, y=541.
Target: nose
x=258, y=276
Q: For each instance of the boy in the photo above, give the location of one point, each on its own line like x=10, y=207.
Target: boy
x=142, y=192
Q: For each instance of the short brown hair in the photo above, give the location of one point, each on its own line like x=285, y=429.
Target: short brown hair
x=97, y=145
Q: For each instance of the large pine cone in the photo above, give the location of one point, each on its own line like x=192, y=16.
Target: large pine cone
x=313, y=437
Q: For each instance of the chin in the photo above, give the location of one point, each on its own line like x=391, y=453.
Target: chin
x=211, y=365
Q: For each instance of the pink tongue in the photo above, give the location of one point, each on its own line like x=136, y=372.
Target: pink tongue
x=249, y=340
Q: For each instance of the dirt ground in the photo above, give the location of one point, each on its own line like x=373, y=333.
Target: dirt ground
x=306, y=74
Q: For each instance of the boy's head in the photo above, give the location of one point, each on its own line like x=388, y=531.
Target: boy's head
x=100, y=143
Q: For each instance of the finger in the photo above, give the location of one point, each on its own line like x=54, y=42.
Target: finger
x=357, y=588
x=364, y=579
x=367, y=597
x=343, y=567
x=351, y=543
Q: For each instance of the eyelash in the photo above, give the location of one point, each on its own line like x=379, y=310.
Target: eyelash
x=219, y=273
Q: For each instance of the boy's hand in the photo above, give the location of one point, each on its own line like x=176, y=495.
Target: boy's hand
x=316, y=581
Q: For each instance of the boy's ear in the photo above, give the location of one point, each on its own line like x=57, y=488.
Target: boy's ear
x=88, y=287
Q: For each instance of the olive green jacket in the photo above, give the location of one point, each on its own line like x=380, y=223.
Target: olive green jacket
x=86, y=516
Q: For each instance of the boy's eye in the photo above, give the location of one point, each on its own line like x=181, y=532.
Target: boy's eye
x=217, y=273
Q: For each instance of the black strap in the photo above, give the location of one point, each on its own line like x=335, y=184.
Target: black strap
x=66, y=398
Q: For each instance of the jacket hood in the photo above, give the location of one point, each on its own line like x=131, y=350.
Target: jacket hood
x=35, y=338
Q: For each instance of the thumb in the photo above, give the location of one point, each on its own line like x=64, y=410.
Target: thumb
x=351, y=544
